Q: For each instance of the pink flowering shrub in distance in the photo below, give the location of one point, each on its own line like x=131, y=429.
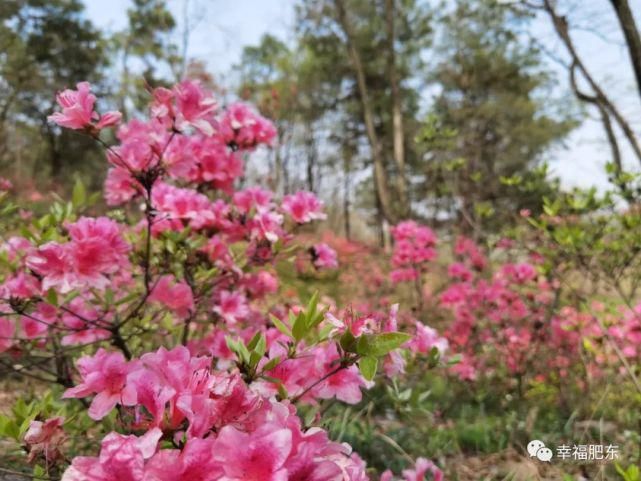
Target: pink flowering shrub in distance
x=160, y=317
x=500, y=318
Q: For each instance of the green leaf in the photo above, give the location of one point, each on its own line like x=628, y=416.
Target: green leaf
x=254, y=340
x=52, y=297
x=254, y=359
x=348, y=341
x=261, y=346
x=79, y=194
x=386, y=342
x=311, y=306
x=271, y=364
x=299, y=329
x=280, y=325
x=282, y=392
x=363, y=346
x=368, y=366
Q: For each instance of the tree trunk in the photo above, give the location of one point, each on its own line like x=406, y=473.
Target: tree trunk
x=397, y=115
x=55, y=159
x=310, y=144
x=347, y=170
x=380, y=179
x=632, y=37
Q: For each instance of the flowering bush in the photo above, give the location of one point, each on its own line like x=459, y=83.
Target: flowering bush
x=162, y=321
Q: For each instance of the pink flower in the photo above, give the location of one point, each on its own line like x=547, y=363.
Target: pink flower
x=458, y=270
x=252, y=198
x=109, y=119
x=427, y=338
x=176, y=296
x=403, y=275
x=194, y=106
x=194, y=462
x=303, y=207
x=260, y=284
x=21, y=286
x=211, y=162
x=122, y=458
x=38, y=322
x=217, y=251
x=231, y=306
x=241, y=128
x=106, y=375
x=261, y=458
x=345, y=385
x=5, y=184
x=423, y=466
x=120, y=187
x=96, y=250
x=414, y=248
x=175, y=379
x=45, y=438
x=178, y=206
x=17, y=248
x=78, y=110
x=323, y=256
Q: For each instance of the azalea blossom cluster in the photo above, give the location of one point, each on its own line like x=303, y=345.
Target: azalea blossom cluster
x=194, y=270
x=204, y=416
x=599, y=333
x=504, y=305
x=414, y=248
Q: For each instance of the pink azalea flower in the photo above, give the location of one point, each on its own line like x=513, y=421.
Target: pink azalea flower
x=194, y=106
x=252, y=198
x=45, y=438
x=120, y=187
x=122, y=458
x=266, y=225
x=78, y=110
x=106, y=375
x=323, y=256
x=96, y=249
x=17, y=248
x=5, y=184
x=218, y=252
x=303, y=207
x=176, y=296
x=22, y=286
x=231, y=306
x=216, y=164
x=403, y=275
x=194, y=462
x=345, y=385
x=165, y=378
x=37, y=324
x=261, y=458
x=178, y=206
x=426, y=338
x=241, y=128
x=422, y=467
x=458, y=270
x=260, y=284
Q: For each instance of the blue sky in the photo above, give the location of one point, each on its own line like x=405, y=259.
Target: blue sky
x=221, y=28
